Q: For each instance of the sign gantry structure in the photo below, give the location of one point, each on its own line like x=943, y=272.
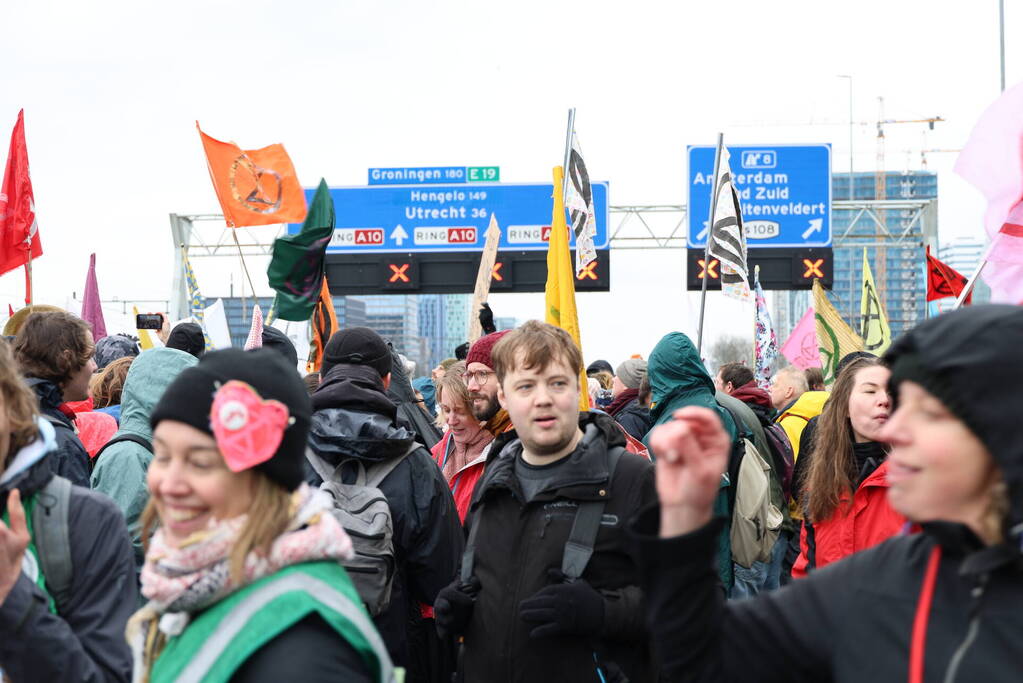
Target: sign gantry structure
x=422, y=230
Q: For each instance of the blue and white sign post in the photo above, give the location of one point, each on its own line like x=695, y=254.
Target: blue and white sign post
x=784, y=193
x=411, y=218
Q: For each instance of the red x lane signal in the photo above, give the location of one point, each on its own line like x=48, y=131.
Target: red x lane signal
x=813, y=267
x=398, y=272
x=496, y=272
x=708, y=270
x=587, y=271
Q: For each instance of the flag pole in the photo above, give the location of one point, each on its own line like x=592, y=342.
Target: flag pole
x=568, y=152
x=706, y=247
x=976, y=274
x=234, y=233
x=28, y=278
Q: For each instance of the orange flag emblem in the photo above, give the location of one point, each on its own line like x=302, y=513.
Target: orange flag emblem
x=254, y=186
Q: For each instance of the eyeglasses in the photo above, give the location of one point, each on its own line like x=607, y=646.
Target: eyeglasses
x=480, y=377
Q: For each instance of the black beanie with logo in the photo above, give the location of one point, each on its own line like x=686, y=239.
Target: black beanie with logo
x=189, y=399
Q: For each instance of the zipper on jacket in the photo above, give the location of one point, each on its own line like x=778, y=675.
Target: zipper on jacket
x=976, y=594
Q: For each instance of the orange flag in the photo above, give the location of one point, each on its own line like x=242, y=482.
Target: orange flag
x=255, y=186
x=323, y=325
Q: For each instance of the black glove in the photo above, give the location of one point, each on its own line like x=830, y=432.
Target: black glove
x=487, y=319
x=461, y=351
x=452, y=609
x=564, y=609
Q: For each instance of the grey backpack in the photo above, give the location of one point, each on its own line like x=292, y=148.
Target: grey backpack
x=51, y=536
x=363, y=511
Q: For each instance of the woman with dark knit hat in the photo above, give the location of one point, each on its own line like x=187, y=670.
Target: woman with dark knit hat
x=945, y=604
x=242, y=568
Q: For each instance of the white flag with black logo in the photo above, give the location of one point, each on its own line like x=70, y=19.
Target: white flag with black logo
x=727, y=237
x=579, y=201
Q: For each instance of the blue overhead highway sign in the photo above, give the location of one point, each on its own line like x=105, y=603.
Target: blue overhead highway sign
x=784, y=193
x=448, y=217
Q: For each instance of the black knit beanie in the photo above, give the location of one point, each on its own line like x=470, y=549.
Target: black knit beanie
x=970, y=359
x=357, y=346
x=190, y=397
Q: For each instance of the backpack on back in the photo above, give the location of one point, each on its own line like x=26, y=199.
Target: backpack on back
x=756, y=521
x=362, y=509
x=782, y=456
x=51, y=536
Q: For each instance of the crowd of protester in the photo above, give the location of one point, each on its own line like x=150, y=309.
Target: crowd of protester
x=175, y=514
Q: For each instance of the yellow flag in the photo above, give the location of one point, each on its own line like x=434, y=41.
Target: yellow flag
x=877, y=336
x=145, y=341
x=560, y=289
x=834, y=338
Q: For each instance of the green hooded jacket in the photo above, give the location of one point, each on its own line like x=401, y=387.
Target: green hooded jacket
x=678, y=379
x=120, y=471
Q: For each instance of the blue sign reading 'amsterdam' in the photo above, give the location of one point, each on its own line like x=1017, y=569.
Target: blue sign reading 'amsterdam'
x=784, y=193
x=447, y=217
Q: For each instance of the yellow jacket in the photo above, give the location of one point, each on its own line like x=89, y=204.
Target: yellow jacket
x=794, y=419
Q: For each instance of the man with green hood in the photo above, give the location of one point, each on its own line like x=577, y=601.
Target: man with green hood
x=120, y=469
x=678, y=379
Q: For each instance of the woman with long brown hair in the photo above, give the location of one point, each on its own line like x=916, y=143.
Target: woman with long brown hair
x=944, y=604
x=846, y=486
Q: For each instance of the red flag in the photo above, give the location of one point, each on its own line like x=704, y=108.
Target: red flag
x=10, y=310
x=943, y=281
x=18, y=227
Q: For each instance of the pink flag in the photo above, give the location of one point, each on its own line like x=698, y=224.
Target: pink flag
x=801, y=347
x=255, y=340
x=92, y=309
x=992, y=161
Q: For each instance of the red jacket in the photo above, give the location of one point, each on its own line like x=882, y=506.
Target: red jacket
x=866, y=523
x=464, y=482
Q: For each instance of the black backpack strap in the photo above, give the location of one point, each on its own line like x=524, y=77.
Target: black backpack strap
x=121, y=438
x=579, y=547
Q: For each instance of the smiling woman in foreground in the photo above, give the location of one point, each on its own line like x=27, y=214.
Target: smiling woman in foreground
x=242, y=573
x=944, y=605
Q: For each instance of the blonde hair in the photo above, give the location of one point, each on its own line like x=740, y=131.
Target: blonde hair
x=106, y=385
x=459, y=393
x=270, y=512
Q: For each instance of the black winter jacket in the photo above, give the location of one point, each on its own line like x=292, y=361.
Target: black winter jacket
x=850, y=621
x=517, y=543
x=70, y=460
x=354, y=420
x=85, y=642
x=635, y=419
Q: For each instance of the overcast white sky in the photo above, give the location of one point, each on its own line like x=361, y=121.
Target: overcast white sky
x=111, y=91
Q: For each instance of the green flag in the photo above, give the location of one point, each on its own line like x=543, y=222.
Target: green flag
x=296, y=267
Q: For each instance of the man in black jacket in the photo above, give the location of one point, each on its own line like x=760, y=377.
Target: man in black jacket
x=528, y=610
x=54, y=353
x=354, y=420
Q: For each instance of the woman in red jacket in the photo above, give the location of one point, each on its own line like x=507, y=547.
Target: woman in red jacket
x=462, y=452
x=846, y=485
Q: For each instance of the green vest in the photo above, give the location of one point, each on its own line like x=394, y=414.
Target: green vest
x=223, y=637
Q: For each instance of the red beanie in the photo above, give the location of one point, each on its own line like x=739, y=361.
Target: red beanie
x=482, y=348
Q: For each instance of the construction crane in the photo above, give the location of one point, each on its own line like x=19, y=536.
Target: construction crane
x=881, y=192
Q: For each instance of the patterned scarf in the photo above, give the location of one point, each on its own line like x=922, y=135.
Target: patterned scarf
x=182, y=581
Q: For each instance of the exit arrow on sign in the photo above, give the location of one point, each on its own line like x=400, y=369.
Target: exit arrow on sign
x=399, y=235
x=816, y=225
